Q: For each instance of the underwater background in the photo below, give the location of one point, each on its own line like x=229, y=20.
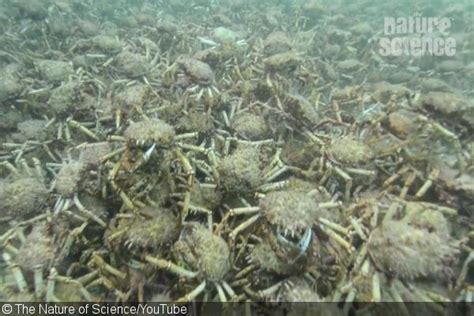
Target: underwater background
x=233, y=150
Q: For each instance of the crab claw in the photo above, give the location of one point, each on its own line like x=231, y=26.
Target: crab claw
x=148, y=153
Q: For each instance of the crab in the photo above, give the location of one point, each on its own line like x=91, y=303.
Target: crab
x=452, y=187
x=410, y=175
x=11, y=86
x=420, y=250
x=194, y=75
x=291, y=235
x=66, y=105
x=282, y=62
x=133, y=65
x=54, y=70
x=243, y=170
x=127, y=101
x=32, y=139
x=29, y=258
x=105, y=275
x=250, y=126
x=405, y=241
x=276, y=43
x=346, y=157
x=150, y=229
x=354, y=155
x=23, y=193
x=103, y=43
x=125, y=278
x=415, y=130
x=144, y=140
x=303, y=112
x=72, y=183
x=350, y=65
x=307, y=241
x=205, y=257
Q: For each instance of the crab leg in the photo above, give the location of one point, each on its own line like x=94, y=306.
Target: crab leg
x=242, y=273
x=427, y=185
x=244, y=210
x=272, y=289
x=243, y=226
x=39, y=283
x=50, y=297
x=67, y=132
x=334, y=226
x=221, y=293
x=229, y=290
x=170, y=266
x=89, y=214
x=87, y=296
x=102, y=265
x=193, y=294
x=49, y=152
x=38, y=170
x=376, y=292
x=355, y=224
x=19, y=278
x=112, y=154
x=83, y=129
x=406, y=186
x=149, y=152
x=347, y=179
x=11, y=168
x=341, y=241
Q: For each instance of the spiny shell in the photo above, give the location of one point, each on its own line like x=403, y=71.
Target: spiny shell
x=300, y=291
x=265, y=258
x=199, y=71
x=251, y=126
x=407, y=252
x=69, y=178
x=276, y=43
x=282, y=62
x=292, y=210
x=22, y=197
x=92, y=153
x=161, y=228
x=38, y=249
x=350, y=151
x=211, y=252
x=446, y=103
x=240, y=171
x=152, y=131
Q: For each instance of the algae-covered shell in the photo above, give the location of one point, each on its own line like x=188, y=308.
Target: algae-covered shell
x=427, y=216
x=54, y=70
x=159, y=227
x=199, y=71
x=241, y=171
x=265, y=258
x=300, y=291
x=282, y=62
x=212, y=254
x=251, y=126
x=69, y=179
x=445, y=103
x=91, y=155
x=38, y=249
x=350, y=151
x=408, y=252
x=291, y=210
x=276, y=43
x=152, y=131
x=23, y=197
